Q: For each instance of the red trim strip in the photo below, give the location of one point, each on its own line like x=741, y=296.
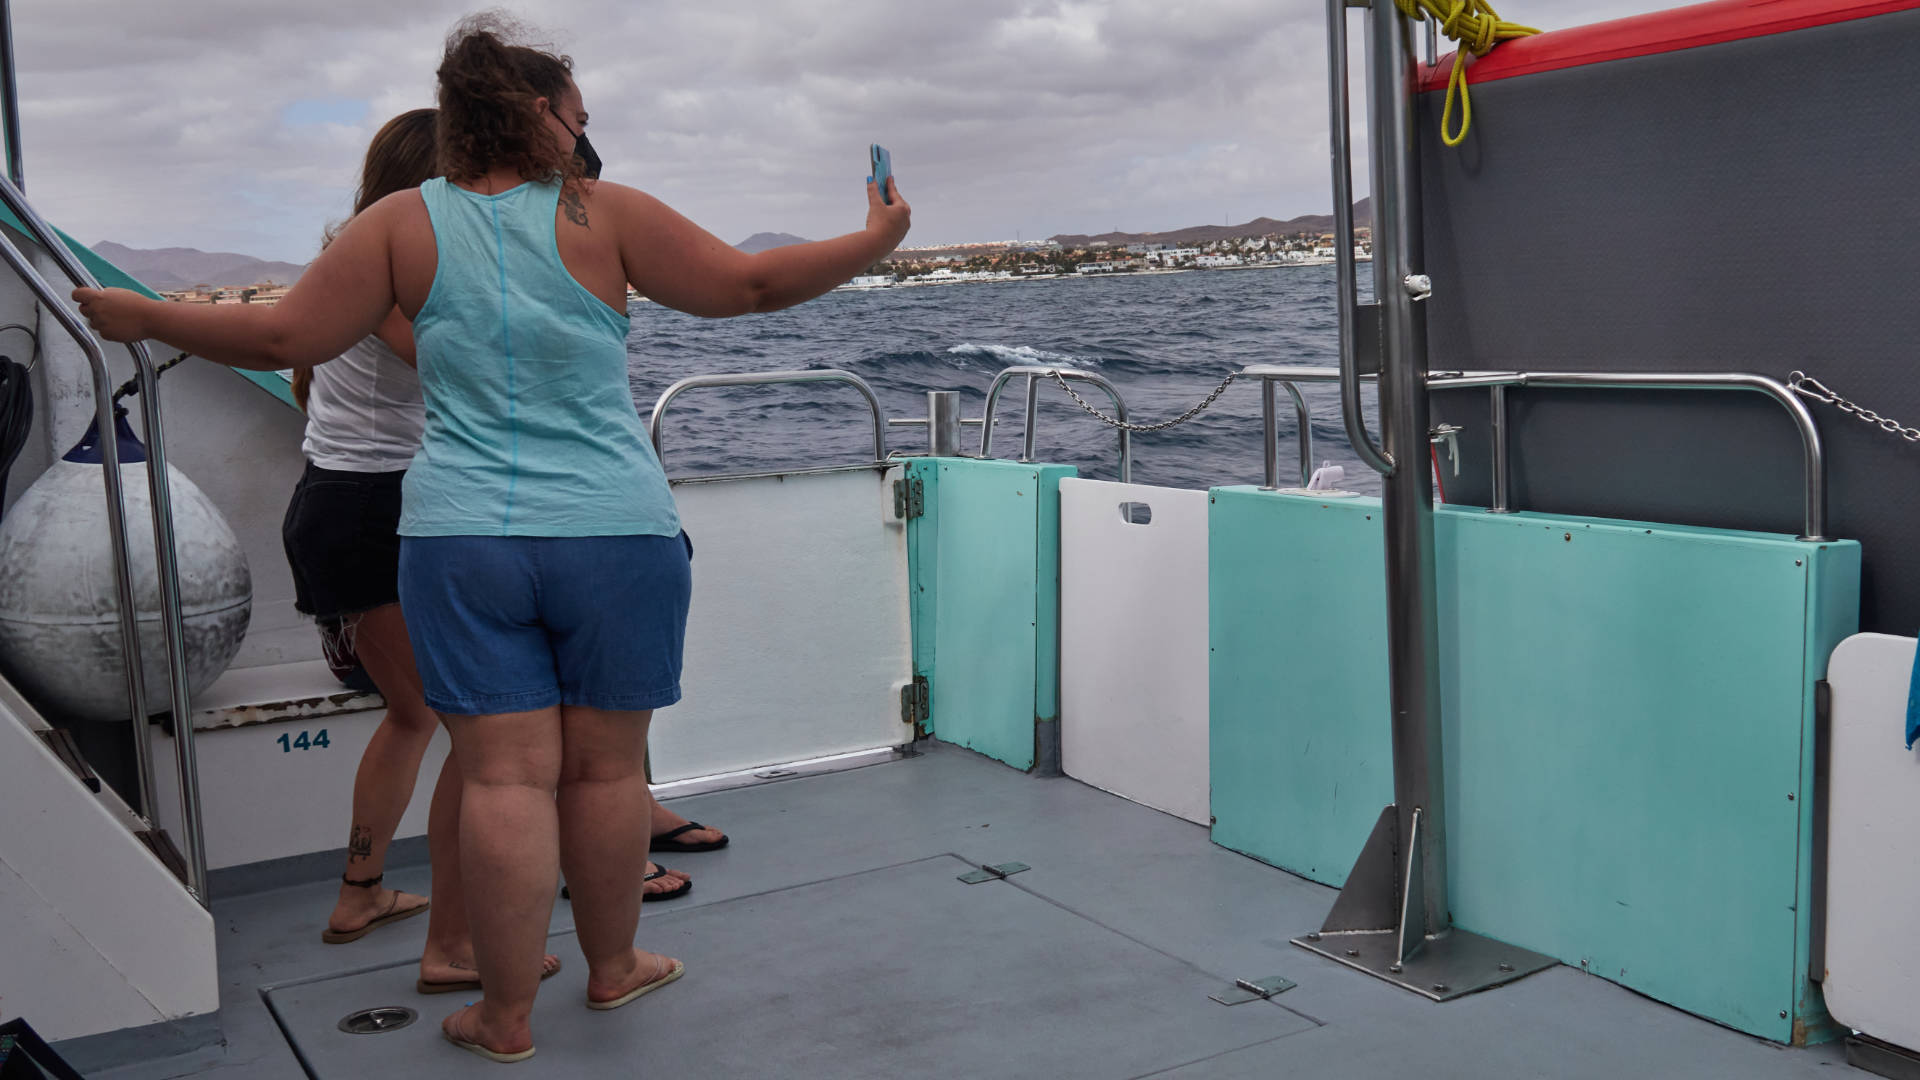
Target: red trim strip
x=1660, y=32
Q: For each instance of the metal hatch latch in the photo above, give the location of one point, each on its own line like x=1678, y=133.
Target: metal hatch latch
x=1245, y=990
x=1418, y=286
x=994, y=872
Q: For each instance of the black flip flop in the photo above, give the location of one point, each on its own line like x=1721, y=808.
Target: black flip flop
x=645, y=897
x=667, y=841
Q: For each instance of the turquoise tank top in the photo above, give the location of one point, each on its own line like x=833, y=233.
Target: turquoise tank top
x=530, y=425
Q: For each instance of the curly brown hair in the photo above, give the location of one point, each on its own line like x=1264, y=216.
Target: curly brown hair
x=488, y=85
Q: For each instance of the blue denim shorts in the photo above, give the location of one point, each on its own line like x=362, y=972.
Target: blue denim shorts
x=514, y=623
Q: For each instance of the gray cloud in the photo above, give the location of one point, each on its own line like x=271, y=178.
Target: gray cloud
x=166, y=124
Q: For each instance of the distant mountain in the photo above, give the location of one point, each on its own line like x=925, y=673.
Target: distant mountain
x=181, y=268
x=1202, y=234
x=761, y=241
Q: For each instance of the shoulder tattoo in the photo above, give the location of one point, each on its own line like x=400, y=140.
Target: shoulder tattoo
x=574, y=207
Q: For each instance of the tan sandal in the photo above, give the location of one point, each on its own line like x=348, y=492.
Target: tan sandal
x=673, y=973
x=393, y=915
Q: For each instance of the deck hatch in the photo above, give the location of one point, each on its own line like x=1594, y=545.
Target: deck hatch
x=885, y=973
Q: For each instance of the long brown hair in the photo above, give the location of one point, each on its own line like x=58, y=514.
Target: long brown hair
x=488, y=85
x=401, y=156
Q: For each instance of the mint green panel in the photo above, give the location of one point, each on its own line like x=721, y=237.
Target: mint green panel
x=994, y=605
x=1297, y=620
x=113, y=277
x=1627, y=720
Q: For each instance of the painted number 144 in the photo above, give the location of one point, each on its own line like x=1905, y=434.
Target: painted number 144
x=302, y=741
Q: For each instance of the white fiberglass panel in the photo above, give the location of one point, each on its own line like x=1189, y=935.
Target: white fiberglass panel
x=97, y=934
x=1873, y=864
x=1133, y=642
x=798, y=641
x=270, y=790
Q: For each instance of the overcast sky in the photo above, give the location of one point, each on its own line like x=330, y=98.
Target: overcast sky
x=239, y=125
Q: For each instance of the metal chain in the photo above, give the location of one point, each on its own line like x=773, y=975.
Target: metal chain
x=1809, y=387
x=132, y=386
x=1125, y=425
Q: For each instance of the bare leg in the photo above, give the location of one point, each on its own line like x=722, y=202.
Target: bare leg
x=510, y=764
x=604, y=821
x=448, y=955
x=388, y=769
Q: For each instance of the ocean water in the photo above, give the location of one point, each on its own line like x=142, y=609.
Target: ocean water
x=1164, y=340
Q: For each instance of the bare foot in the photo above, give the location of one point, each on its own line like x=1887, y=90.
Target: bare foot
x=461, y=972
x=357, y=908
x=470, y=1025
x=643, y=970
x=668, y=881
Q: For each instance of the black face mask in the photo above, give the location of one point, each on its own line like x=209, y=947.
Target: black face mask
x=582, y=149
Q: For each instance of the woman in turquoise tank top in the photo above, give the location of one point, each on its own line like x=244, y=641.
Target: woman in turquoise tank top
x=543, y=572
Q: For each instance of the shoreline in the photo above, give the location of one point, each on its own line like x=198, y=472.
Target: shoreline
x=922, y=282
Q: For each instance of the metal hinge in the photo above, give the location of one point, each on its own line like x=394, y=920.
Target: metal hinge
x=994, y=872
x=1245, y=990
x=909, y=498
x=916, y=704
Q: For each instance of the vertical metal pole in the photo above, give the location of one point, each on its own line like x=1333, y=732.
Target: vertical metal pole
x=1407, y=501
x=1033, y=409
x=159, y=493
x=10, y=97
x=943, y=423
x=1498, y=410
x=1270, y=433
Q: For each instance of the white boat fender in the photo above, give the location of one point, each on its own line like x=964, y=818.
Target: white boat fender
x=59, y=608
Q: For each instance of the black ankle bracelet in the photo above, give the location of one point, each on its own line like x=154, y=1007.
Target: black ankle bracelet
x=367, y=884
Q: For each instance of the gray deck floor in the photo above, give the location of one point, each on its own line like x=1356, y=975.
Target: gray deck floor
x=831, y=940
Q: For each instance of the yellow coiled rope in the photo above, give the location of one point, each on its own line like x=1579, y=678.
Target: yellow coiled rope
x=1477, y=28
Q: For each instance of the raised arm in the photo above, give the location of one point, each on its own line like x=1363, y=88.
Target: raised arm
x=677, y=263
x=342, y=297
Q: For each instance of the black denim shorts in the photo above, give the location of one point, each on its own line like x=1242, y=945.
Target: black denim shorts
x=343, y=544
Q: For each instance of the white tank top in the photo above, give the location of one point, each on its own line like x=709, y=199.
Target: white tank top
x=364, y=412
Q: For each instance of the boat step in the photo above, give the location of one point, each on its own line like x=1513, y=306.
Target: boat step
x=60, y=741
x=161, y=845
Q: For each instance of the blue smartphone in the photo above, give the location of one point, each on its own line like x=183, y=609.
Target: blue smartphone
x=882, y=168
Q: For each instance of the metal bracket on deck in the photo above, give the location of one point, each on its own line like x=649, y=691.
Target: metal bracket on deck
x=1379, y=925
x=1244, y=990
x=995, y=872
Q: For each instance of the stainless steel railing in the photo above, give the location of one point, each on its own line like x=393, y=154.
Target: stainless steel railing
x=1033, y=374
x=165, y=556
x=1813, y=452
x=1346, y=302
x=658, y=422
x=1271, y=375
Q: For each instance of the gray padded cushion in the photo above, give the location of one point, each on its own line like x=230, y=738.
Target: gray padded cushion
x=1746, y=206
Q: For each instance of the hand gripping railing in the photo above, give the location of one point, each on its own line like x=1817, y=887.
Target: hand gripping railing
x=165, y=557
x=1034, y=374
x=1346, y=302
x=658, y=422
